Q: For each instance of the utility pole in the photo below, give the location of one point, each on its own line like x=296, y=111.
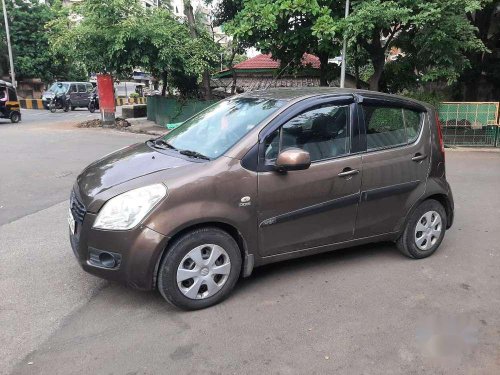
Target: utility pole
x=344, y=50
x=7, y=32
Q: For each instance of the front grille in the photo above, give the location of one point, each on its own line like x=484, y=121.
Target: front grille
x=77, y=208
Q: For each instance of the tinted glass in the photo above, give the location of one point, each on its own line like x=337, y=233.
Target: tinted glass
x=82, y=88
x=73, y=88
x=215, y=130
x=323, y=132
x=384, y=127
x=12, y=95
x=413, y=123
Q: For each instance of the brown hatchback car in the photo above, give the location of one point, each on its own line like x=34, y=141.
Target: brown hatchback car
x=259, y=178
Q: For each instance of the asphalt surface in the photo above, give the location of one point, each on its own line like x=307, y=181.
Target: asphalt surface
x=366, y=310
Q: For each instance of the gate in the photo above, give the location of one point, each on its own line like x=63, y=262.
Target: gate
x=470, y=123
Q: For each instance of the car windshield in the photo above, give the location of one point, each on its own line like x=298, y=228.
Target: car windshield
x=58, y=88
x=215, y=130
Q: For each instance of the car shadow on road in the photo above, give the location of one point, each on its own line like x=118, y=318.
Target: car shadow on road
x=328, y=263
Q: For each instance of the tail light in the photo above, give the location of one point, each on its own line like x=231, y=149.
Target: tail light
x=440, y=134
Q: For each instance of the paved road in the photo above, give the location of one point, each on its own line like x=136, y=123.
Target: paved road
x=366, y=310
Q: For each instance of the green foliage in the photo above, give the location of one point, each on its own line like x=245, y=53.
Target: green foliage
x=431, y=98
x=116, y=36
x=287, y=28
x=436, y=36
x=30, y=43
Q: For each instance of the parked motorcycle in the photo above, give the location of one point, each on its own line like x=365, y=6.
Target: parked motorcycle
x=58, y=101
x=94, y=102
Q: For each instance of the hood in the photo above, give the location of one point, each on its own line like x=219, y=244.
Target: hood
x=121, y=166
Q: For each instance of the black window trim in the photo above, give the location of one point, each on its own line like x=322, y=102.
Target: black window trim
x=306, y=105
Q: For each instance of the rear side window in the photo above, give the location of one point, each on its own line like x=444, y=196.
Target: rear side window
x=12, y=95
x=413, y=121
x=82, y=88
x=384, y=127
x=390, y=127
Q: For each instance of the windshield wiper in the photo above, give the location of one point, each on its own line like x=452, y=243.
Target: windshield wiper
x=161, y=144
x=194, y=154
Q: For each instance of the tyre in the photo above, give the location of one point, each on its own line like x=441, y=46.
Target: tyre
x=424, y=230
x=52, y=107
x=91, y=107
x=15, y=117
x=67, y=106
x=200, y=269
x=73, y=108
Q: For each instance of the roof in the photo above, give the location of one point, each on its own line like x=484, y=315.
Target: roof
x=267, y=62
x=304, y=92
x=5, y=83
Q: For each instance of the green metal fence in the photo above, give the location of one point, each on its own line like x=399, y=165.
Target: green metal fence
x=470, y=123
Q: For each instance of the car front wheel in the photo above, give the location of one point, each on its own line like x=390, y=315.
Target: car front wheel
x=200, y=269
x=424, y=230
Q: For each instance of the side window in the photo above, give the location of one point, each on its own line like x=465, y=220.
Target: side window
x=82, y=88
x=72, y=89
x=413, y=121
x=12, y=95
x=385, y=127
x=323, y=132
x=90, y=88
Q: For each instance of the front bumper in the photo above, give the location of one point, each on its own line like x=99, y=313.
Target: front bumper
x=138, y=252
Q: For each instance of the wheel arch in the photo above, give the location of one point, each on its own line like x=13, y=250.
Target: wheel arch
x=246, y=259
x=442, y=198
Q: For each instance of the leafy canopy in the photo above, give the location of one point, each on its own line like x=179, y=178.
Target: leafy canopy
x=30, y=43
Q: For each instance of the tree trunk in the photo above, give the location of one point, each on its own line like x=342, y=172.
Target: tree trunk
x=374, y=80
x=188, y=11
x=482, y=19
x=164, y=77
x=356, y=68
x=323, y=69
x=233, y=71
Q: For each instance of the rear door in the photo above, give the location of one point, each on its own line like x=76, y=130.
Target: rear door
x=73, y=94
x=310, y=208
x=395, y=165
x=82, y=95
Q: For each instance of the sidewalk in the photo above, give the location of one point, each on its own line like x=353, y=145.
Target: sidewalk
x=144, y=126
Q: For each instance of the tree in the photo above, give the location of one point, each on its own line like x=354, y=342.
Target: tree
x=169, y=51
x=100, y=34
x=484, y=67
x=286, y=28
x=117, y=36
x=435, y=35
x=30, y=42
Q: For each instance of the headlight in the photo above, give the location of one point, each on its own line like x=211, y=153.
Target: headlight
x=126, y=210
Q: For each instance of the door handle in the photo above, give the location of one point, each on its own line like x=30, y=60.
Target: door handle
x=346, y=172
x=418, y=157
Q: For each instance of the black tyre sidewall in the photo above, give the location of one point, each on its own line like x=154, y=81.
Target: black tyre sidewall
x=167, y=278
x=410, y=247
x=15, y=118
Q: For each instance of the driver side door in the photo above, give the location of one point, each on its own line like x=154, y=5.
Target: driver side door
x=315, y=207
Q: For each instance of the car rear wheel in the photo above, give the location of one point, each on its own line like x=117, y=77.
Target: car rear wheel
x=424, y=230
x=200, y=269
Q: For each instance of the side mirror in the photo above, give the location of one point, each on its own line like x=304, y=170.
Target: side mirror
x=293, y=159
